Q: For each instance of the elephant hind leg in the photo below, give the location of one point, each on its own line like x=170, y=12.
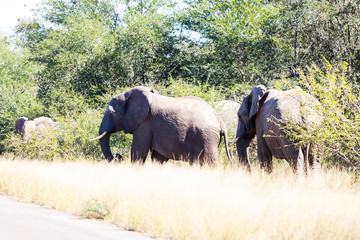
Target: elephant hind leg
x=155, y=156
x=313, y=159
x=265, y=156
x=209, y=157
x=299, y=164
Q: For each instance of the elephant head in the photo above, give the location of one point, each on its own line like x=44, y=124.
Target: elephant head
x=125, y=112
x=20, y=125
x=246, y=125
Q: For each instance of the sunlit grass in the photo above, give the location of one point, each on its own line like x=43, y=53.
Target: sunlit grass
x=178, y=201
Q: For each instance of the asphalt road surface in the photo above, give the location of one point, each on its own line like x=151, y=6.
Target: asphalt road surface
x=22, y=221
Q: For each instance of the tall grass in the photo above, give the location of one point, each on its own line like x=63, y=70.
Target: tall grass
x=178, y=201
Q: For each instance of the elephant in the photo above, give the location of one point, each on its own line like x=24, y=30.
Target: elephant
x=26, y=127
x=183, y=128
x=265, y=113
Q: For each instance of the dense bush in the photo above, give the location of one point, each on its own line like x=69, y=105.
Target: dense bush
x=17, y=88
x=339, y=108
x=69, y=139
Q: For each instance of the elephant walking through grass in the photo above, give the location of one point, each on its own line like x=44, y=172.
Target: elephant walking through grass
x=184, y=128
x=265, y=114
x=26, y=127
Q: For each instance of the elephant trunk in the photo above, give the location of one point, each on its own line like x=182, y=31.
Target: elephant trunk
x=105, y=131
x=242, y=146
x=105, y=147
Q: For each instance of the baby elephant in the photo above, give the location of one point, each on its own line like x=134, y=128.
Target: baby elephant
x=25, y=127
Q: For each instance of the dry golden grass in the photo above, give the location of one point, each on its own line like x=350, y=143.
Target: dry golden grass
x=177, y=201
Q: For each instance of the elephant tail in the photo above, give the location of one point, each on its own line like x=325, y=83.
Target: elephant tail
x=224, y=134
x=307, y=164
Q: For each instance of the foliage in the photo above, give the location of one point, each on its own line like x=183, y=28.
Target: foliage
x=262, y=41
x=73, y=60
x=94, y=47
x=238, y=48
x=17, y=88
x=340, y=105
x=339, y=109
x=69, y=139
x=181, y=88
x=316, y=29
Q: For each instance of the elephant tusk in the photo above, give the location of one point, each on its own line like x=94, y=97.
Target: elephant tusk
x=99, y=137
x=233, y=142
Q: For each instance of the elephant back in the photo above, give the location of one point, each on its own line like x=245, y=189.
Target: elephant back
x=29, y=128
x=43, y=122
x=298, y=106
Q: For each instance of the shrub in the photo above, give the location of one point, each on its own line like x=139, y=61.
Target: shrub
x=17, y=87
x=69, y=139
x=181, y=88
x=340, y=109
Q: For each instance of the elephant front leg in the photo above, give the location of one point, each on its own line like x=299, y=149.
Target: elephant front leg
x=139, y=154
x=242, y=146
x=141, y=145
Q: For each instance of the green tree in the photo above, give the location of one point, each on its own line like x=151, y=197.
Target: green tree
x=240, y=47
x=339, y=109
x=17, y=88
x=313, y=30
x=92, y=47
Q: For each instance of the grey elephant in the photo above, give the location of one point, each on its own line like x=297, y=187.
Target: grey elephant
x=26, y=127
x=265, y=113
x=184, y=128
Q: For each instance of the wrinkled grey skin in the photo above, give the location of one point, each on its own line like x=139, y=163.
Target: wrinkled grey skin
x=263, y=113
x=185, y=128
x=25, y=127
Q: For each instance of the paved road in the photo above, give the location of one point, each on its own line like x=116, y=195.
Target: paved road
x=21, y=221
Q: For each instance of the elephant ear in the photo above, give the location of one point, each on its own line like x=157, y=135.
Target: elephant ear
x=137, y=108
x=19, y=125
x=251, y=103
x=256, y=93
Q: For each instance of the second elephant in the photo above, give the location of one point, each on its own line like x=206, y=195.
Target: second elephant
x=264, y=114
x=185, y=128
x=26, y=127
